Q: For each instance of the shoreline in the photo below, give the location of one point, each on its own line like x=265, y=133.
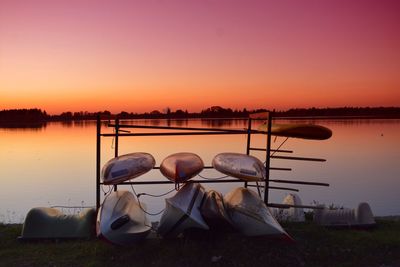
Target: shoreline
x=314, y=246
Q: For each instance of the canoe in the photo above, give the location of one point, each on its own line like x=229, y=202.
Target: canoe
x=251, y=216
x=180, y=167
x=291, y=214
x=360, y=217
x=182, y=211
x=303, y=131
x=121, y=220
x=214, y=212
x=241, y=166
x=51, y=223
x=126, y=167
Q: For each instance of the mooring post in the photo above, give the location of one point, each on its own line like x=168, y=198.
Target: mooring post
x=98, y=148
x=268, y=158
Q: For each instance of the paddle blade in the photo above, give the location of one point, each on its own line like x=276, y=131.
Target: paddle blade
x=304, y=131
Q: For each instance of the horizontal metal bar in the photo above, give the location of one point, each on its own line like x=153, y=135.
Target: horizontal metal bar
x=272, y=150
x=178, y=128
x=275, y=187
x=286, y=206
x=272, y=168
x=283, y=188
x=170, y=182
x=169, y=134
x=280, y=169
x=298, y=158
x=205, y=167
x=298, y=182
x=123, y=131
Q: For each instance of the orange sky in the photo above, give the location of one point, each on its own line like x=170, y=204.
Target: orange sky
x=139, y=56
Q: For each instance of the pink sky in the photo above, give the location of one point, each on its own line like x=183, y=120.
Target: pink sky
x=143, y=55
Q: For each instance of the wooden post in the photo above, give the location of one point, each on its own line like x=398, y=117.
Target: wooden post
x=268, y=159
x=98, y=150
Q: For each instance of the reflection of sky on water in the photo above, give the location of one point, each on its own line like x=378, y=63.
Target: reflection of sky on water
x=56, y=165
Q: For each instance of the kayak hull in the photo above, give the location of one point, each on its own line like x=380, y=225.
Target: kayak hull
x=51, y=223
x=126, y=167
x=180, y=167
x=361, y=217
x=183, y=211
x=241, y=166
x=251, y=216
x=214, y=211
x=121, y=219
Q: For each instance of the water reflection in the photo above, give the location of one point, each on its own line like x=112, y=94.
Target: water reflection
x=23, y=126
x=55, y=164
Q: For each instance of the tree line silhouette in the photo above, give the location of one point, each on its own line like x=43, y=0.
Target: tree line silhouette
x=38, y=117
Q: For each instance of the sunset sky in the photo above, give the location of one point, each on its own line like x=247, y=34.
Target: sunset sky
x=141, y=55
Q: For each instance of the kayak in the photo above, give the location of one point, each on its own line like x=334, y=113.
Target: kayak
x=292, y=214
x=51, y=223
x=180, y=167
x=183, y=211
x=121, y=219
x=360, y=217
x=251, y=216
x=126, y=167
x=241, y=166
x=214, y=211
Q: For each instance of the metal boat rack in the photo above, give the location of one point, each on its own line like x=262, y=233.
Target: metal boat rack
x=120, y=132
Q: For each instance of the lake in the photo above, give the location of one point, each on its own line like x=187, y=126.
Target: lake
x=56, y=164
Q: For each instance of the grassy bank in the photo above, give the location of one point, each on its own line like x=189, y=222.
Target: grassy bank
x=314, y=246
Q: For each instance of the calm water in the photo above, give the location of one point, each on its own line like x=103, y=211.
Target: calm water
x=55, y=165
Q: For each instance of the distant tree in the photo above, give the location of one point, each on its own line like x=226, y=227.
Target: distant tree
x=155, y=112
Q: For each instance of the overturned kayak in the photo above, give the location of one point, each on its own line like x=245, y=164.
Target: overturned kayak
x=361, y=217
x=51, y=223
x=121, y=219
x=251, y=216
x=214, y=211
x=126, y=167
x=180, y=167
x=182, y=211
x=292, y=214
x=241, y=166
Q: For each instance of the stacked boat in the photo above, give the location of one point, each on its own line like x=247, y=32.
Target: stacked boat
x=122, y=218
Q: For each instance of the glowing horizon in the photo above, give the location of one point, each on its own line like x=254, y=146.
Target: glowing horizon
x=139, y=56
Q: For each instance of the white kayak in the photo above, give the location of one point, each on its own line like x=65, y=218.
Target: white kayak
x=361, y=217
x=126, y=167
x=292, y=214
x=183, y=211
x=121, y=219
x=241, y=166
x=251, y=216
x=180, y=167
